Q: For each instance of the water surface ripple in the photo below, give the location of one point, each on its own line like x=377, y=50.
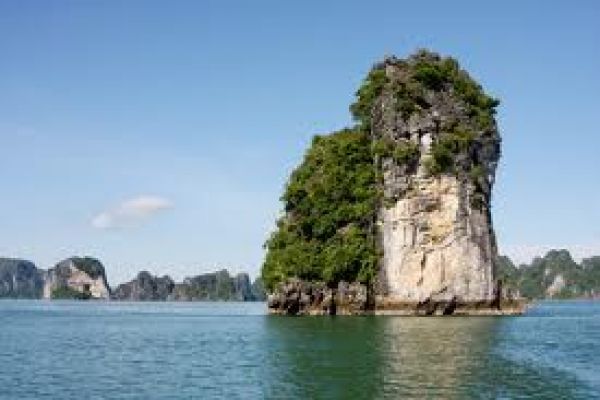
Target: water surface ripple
x=111, y=350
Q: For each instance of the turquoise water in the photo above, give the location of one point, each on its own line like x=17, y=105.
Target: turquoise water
x=87, y=350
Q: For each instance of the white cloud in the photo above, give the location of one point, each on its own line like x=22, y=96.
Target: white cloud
x=131, y=212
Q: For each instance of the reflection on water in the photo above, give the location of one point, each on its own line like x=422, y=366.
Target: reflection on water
x=434, y=356
x=323, y=357
x=399, y=357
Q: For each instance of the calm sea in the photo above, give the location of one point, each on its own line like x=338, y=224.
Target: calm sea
x=87, y=350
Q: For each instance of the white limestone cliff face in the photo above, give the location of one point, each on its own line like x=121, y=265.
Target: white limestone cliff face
x=68, y=274
x=557, y=285
x=436, y=245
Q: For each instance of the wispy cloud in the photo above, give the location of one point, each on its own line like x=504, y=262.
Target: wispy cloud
x=131, y=212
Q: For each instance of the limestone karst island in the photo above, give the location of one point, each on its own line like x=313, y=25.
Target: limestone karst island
x=392, y=215
x=389, y=216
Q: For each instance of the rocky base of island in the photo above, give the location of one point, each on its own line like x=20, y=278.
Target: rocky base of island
x=454, y=306
x=297, y=297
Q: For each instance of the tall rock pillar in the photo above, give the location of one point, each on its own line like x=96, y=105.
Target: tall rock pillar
x=438, y=151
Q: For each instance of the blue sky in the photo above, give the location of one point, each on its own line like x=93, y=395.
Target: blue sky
x=159, y=135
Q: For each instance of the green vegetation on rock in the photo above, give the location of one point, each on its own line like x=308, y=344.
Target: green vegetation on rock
x=67, y=293
x=444, y=152
x=330, y=201
x=417, y=85
x=425, y=71
x=405, y=152
x=370, y=91
x=215, y=286
x=555, y=275
x=91, y=266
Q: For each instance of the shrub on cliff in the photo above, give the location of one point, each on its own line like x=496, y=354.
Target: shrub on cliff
x=330, y=203
x=369, y=91
x=67, y=293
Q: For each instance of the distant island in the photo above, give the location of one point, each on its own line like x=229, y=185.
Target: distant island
x=84, y=278
x=553, y=276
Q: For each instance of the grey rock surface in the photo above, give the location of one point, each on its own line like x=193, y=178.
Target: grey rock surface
x=20, y=279
x=213, y=286
x=297, y=297
x=145, y=287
